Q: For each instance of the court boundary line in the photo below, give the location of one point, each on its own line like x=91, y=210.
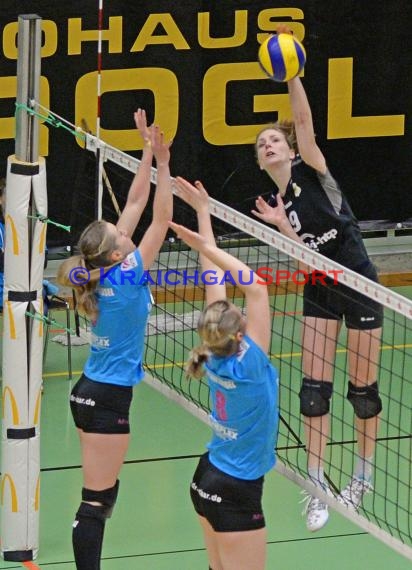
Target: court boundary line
x=296, y=478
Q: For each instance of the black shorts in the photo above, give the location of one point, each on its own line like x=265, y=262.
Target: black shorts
x=98, y=407
x=229, y=504
x=337, y=301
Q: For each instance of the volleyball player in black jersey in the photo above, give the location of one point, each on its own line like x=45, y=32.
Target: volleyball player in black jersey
x=310, y=207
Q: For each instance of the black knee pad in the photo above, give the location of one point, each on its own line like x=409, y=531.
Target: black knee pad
x=107, y=497
x=97, y=512
x=315, y=397
x=365, y=400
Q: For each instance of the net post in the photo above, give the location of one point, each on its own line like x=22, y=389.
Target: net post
x=23, y=336
x=28, y=87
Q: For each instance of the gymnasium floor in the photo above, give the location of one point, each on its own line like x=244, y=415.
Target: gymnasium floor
x=154, y=526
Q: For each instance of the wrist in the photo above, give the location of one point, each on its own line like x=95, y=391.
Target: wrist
x=284, y=226
x=147, y=150
x=203, y=211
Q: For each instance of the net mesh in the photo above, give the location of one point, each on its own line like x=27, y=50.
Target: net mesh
x=178, y=290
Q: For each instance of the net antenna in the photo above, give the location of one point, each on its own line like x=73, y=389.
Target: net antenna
x=103, y=175
x=25, y=242
x=386, y=512
x=99, y=161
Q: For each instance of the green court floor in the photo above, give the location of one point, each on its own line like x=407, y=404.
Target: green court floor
x=154, y=526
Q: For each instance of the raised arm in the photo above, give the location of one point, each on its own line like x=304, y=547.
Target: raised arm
x=163, y=201
x=197, y=197
x=140, y=187
x=305, y=134
x=257, y=301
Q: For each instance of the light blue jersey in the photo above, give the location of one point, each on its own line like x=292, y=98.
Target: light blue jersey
x=244, y=393
x=117, y=342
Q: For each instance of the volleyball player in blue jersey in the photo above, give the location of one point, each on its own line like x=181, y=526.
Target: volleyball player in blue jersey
x=227, y=486
x=308, y=206
x=108, y=278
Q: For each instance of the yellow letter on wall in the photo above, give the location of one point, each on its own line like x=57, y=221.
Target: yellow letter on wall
x=215, y=128
x=341, y=123
x=173, y=35
x=161, y=82
x=76, y=35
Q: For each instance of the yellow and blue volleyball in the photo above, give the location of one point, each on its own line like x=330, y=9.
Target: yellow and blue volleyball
x=282, y=57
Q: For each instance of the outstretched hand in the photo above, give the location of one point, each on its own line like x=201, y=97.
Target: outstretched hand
x=192, y=239
x=272, y=215
x=141, y=125
x=194, y=195
x=160, y=148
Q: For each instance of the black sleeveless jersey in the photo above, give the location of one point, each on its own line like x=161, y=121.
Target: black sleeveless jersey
x=320, y=214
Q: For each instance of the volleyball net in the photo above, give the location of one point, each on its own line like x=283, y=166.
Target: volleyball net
x=178, y=288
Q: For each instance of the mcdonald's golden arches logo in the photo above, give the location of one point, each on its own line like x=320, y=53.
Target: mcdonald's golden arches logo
x=13, y=403
x=14, y=505
x=37, y=495
x=14, y=234
x=42, y=241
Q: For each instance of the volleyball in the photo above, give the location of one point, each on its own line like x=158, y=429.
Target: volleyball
x=282, y=57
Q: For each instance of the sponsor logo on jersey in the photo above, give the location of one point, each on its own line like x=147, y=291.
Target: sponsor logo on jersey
x=100, y=341
x=105, y=291
x=222, y=431
x=129, y=262
x=243, y=348
x=315, y=241
x=228, y=384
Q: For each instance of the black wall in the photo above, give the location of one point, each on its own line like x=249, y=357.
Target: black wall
x=373, y=166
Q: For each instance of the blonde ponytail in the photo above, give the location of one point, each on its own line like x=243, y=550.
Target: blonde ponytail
x=73, y=273
x=218, y=326
x=197, y=358
x=82, y=272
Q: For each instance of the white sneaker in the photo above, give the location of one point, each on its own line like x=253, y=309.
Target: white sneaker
x=352, y=495
x=316, y=511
